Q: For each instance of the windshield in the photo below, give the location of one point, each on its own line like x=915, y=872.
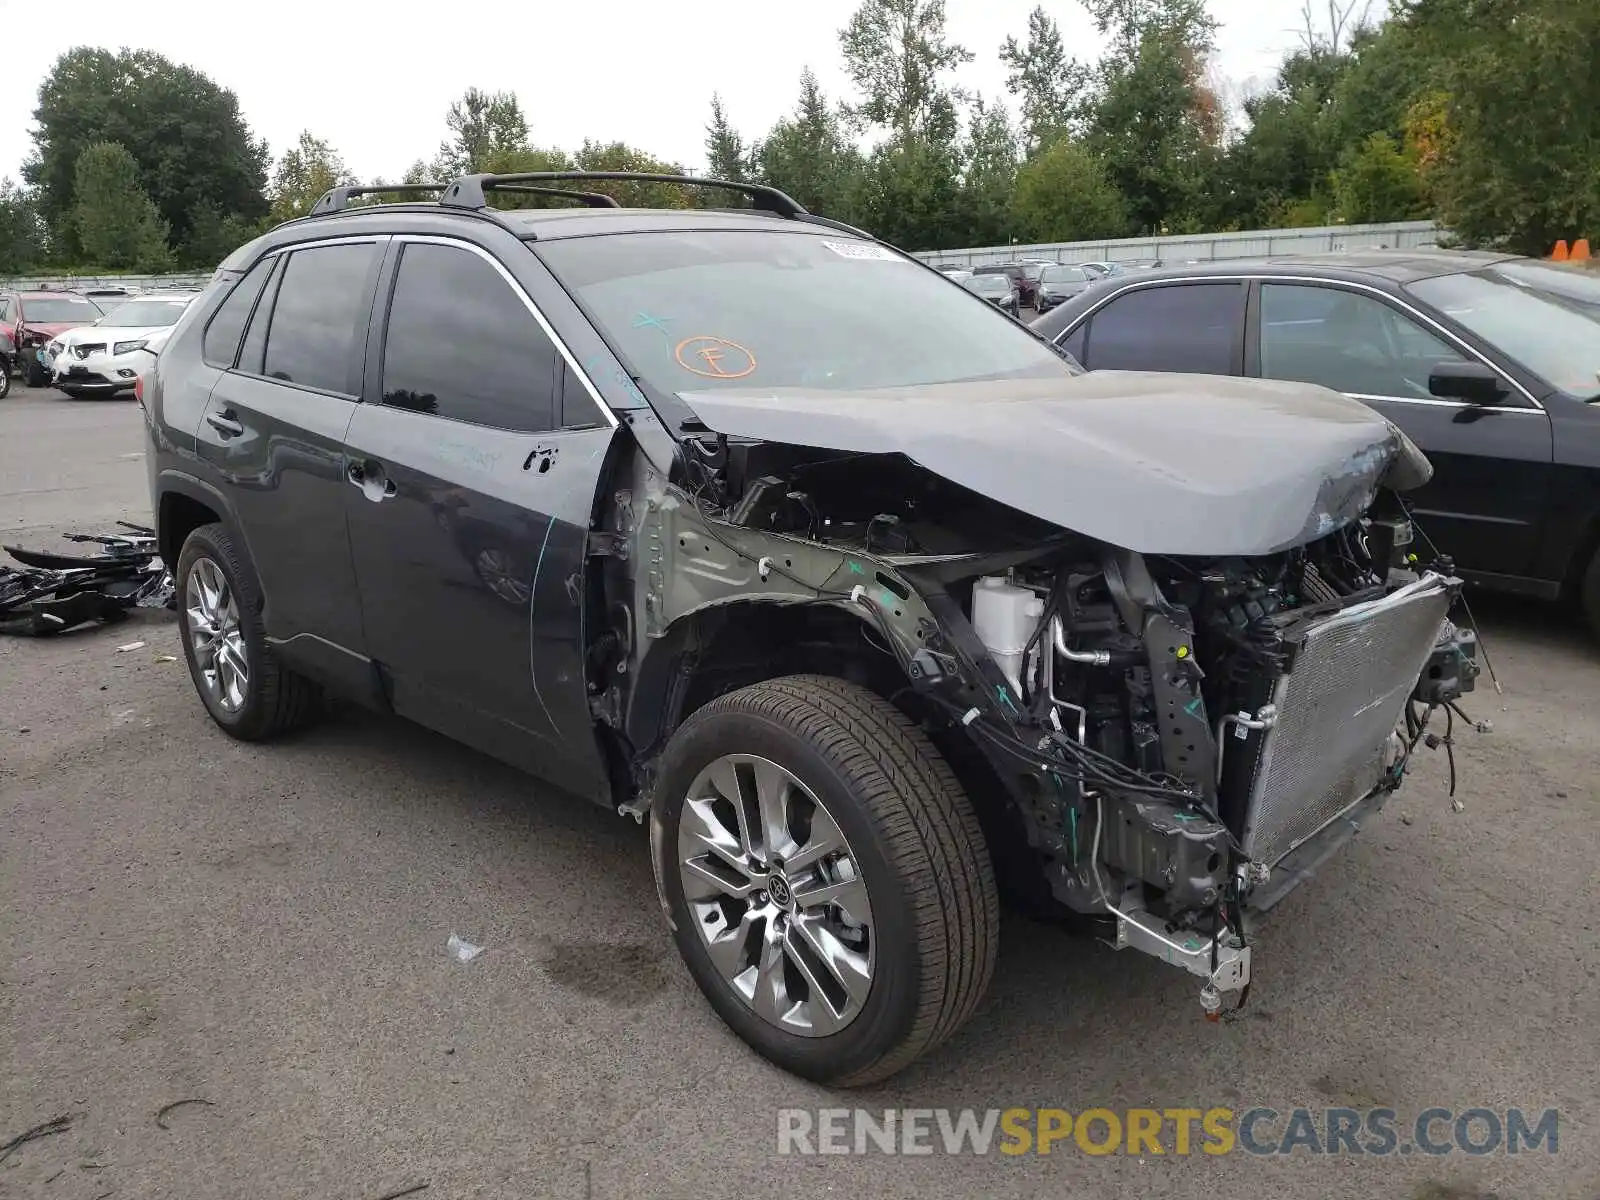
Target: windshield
x=722, y=308
x=1546, y=318
x=137, y=314
x=59, y=310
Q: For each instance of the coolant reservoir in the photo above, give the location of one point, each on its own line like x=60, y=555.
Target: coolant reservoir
x=1005, y=617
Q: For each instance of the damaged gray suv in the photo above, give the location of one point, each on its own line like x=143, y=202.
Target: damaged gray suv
x=871, y=620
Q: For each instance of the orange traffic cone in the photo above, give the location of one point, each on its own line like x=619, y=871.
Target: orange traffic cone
x=1580, y=250
x=1559, y=254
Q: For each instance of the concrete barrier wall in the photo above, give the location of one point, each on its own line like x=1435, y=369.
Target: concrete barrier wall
x=138, y=283
x=1400, y=235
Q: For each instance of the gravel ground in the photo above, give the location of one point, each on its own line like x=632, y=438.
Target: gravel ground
x=263, y=928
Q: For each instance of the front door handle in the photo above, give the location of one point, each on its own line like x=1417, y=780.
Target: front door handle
x=225, y=422
x=369, y=477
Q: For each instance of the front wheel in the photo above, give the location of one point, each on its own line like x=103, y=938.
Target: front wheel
x=826, y=878
x=37, y=375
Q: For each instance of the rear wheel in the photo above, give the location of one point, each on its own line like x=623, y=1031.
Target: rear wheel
x=1589, y=592
x=826, y=878
x=244, y=688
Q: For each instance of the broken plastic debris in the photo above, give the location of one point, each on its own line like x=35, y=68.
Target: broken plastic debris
x=129, y=647
x=166, y=658
x=462, y=951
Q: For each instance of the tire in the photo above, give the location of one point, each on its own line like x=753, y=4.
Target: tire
x=271, y=700
x=5, y=379
x=1589, y=593
x=913, y=876
x=37, y=376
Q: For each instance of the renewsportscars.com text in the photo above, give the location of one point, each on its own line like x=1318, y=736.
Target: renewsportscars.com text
x=1160, y=1131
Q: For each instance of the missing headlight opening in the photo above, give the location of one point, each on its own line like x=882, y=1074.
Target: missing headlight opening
x=1168, y=742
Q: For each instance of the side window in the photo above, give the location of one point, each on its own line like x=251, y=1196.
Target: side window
x=461, y=344
x=1197, y=328
x=220, y=346
x=1347, y=341
x=5, y=309
x=255, y=337
x=320, y=316
x=1073, y=342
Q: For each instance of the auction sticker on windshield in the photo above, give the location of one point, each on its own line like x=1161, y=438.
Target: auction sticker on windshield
x=862, y=250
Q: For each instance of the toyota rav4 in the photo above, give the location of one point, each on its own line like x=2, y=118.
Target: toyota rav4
x=870, y=620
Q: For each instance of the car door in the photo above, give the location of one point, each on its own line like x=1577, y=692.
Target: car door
x=1176, y=325
x=273, y=428
x=1485, y=504
x=472, y=478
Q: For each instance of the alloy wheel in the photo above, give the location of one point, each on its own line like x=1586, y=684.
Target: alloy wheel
x=212, y=615
x=777, y=895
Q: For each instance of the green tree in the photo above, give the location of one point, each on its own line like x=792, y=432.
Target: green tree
x=618, y=156
x=808, y=156
x=116, y=224
x=1377, y=181
x=1520, y=160
x=1278, y=169
x=187, y=136
x=989, y=177
x=22, y=241
x=481, y=125
x=530, y=158
x=1048, y=83
x=725, y=149
x=213, y=235
x=1063, y=195
x=910, y=194
x=1154, y=123
x=896, y=53
x=307, y=169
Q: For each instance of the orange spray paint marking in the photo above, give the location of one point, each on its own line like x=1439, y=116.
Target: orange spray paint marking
x=718, y=358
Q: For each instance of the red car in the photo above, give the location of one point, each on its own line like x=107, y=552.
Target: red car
x=33, y=318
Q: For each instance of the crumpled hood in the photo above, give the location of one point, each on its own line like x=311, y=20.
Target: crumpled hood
x=1156, y=463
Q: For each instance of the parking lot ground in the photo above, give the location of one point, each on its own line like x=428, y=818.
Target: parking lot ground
x=263, y=928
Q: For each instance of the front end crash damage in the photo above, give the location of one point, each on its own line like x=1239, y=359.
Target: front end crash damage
x=1176, y=739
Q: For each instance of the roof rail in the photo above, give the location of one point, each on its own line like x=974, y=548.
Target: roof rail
x=592, y=199
x=469, y=190
x=338, y=199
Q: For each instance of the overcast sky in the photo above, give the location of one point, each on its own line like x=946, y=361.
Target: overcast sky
x=376, y=80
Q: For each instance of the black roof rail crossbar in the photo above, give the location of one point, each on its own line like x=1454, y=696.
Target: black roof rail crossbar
x=468, y=191
x=592, y=199
x=338, y=199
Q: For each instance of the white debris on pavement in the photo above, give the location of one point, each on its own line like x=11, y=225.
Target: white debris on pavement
x=462, y=951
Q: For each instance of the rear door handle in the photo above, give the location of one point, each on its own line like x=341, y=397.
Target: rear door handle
x=225, y=422
x=369, y=477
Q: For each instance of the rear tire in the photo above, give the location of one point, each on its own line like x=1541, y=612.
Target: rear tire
x=913, y=914
x=248, y=693
x=1589, y=593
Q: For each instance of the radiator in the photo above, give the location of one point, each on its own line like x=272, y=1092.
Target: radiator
x=1336, y=706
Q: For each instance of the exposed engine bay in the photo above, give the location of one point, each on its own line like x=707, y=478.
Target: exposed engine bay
x=1184, y=739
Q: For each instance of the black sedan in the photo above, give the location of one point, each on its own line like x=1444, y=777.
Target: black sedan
x=1058, y=284
x=997, y=289
x=1490, y=363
